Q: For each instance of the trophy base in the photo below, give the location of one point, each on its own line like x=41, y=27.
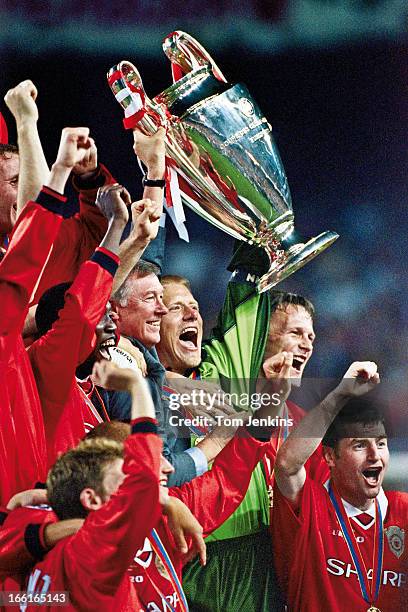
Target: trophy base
x=296, y=256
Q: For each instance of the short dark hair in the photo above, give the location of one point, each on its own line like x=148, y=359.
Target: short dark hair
x=77, y=469
x=8, y=149
x=49, y=305
x=281, y=299
x=140, y=270
x=361, y=412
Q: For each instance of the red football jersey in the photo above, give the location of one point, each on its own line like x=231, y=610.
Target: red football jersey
x=22, y=439
x=314, y=563
x=212, y=498
x=56, y=355
x=92, y=564
x=77, y=238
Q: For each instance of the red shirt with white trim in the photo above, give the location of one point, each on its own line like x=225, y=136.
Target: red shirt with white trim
x=313, y=561
x=212, y=498
x=92, y=564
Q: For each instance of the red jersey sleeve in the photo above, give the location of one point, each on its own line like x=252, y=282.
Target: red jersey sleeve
x=56, y=355
x=21, y=539
x=214, y=496
x=104, y=547
x=78, y=236
x=22, y=266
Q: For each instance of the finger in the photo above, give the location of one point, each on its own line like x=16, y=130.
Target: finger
x=200, y=547
x=286, y=366
x=125, y=195
x=273, y=365
x=366, y=369
x=142, y=217
x=180, y=540
x=75, y=132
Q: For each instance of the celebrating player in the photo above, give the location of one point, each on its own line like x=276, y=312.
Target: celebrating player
x=341, y=543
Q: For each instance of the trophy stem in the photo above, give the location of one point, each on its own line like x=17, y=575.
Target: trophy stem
x=292, y=256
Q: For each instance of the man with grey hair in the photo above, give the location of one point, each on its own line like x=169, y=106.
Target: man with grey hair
x=139, y=303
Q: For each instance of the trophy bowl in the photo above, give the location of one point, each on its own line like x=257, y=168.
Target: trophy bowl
x=221, y=146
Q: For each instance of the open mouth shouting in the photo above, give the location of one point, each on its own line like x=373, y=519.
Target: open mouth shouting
x=372, y=475
x=299, y=362
x=105, y=346
x=188, y=338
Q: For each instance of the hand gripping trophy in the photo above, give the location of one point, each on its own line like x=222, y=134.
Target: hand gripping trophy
x=221, y=146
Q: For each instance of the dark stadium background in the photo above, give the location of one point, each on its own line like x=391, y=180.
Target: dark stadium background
x=333, y=85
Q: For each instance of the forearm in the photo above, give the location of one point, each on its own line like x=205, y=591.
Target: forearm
x=142, y=404
x=304, y=440
x=130, y=252
x=54, y=532
x=34, y=170
x=58, y=177
x=112, y=237
x=214, y=442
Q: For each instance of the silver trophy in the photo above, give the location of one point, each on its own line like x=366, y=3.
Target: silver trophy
x=221, y=146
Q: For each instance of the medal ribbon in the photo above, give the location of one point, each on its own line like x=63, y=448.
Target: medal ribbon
x=90, y=406
x=283, y=433
x=162, y=553
x=370, y=593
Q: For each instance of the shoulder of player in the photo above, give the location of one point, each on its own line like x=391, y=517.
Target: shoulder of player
x=398, y=501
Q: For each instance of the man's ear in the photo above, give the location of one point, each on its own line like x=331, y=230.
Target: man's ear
x=329, y=455
x=90, y=499
x=114, y=306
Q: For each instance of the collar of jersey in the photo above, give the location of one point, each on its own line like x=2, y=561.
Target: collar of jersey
x=352, y=511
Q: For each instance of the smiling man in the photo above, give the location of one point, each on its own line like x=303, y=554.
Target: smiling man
x=348, y=530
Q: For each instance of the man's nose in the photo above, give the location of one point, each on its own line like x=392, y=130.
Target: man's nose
x=190, y=313
x=373, y=451
x=166, y=466
x=161, y=308
x=306, y=343
x=111, y=324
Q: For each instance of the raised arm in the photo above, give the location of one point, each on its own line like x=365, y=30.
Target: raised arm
x=146, y=213
x=213, y=496
x=290, y=472
x=110, y=537
x=33, y=236
x=58, y=353
x=21, y=101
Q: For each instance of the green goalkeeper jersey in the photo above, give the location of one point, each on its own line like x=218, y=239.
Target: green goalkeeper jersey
x=233, y=357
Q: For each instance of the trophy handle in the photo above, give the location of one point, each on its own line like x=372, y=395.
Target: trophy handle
x=127, y=86
x=186, y=54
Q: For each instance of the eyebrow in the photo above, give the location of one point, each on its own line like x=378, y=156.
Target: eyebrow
x=377, y=439
x=181, y=303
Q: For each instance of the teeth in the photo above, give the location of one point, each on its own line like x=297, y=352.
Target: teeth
x=189, y=329
x=154, y=323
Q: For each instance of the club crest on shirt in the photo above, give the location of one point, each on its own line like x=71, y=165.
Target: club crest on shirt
x=396, y=539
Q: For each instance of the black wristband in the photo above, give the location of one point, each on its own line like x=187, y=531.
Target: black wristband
x=146, y=182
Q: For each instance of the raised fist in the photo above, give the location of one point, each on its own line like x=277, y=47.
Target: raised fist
x=21, y=101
